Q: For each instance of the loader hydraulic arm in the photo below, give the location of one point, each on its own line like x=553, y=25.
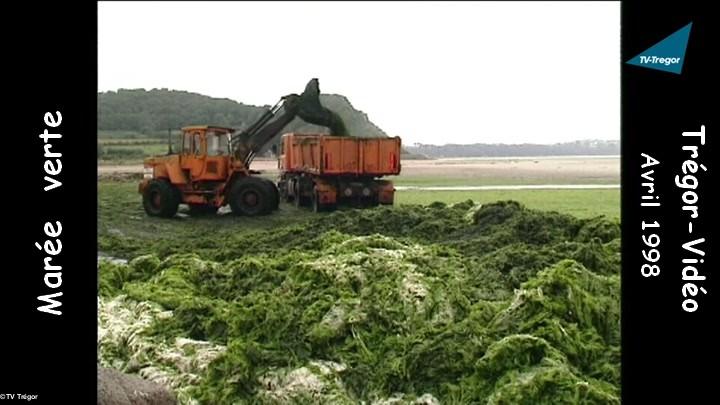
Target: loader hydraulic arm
x=306, y=106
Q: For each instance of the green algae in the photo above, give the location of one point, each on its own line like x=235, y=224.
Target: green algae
x=462, y=304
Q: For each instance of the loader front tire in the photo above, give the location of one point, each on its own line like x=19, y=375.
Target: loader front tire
x=272, y=189
x=250, y=197
x=161, y=199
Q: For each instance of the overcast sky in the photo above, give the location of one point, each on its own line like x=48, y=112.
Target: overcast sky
x=450, y=72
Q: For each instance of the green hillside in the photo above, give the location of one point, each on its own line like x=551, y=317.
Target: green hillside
x=140, y=113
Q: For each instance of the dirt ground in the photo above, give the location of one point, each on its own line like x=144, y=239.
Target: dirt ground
x=568, y=166
x=564, y=169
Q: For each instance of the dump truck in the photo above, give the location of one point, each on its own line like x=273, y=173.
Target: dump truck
x=212, y=168
x=322, y=171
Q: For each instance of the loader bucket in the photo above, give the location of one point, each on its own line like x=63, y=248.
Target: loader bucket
x=311, y=111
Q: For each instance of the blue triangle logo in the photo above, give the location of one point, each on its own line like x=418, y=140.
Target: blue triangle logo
x=667, y=55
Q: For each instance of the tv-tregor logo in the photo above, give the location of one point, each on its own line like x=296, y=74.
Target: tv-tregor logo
x=662, y=61
x=27, y=397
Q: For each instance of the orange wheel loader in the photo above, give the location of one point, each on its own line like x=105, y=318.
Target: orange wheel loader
x=212, y=168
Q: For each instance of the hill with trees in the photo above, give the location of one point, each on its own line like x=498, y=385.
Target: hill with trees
x=139, y=115
x=152, y=112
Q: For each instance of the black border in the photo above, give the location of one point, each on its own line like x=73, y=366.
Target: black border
x=665, y=351
x=53, y=67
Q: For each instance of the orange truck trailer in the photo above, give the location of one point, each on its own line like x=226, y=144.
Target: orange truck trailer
x=322, y=171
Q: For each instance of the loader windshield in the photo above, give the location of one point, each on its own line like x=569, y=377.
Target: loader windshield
x=217, y=143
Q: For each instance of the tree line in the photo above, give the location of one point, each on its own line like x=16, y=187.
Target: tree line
x=153, y=111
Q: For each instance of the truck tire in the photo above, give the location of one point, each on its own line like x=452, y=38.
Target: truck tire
x=250, y=197
x=283, y=191
x=299, y=200
x=161, y=199
x=316, y=205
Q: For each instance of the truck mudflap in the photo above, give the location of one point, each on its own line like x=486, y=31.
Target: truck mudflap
x=385, y=192
x=326, y=193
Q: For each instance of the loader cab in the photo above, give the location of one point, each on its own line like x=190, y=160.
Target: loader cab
x=205, y=140
x=205, y=152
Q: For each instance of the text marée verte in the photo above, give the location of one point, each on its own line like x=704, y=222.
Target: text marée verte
x=51, y=246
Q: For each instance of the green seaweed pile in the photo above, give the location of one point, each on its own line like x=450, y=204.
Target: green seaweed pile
x=457, y=304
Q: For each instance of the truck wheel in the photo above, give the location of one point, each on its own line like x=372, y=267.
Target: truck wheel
x=161, y=199
x=250, y=197
x=299, y=200
x=197, y=210
x=316, y=204
x=282, y=190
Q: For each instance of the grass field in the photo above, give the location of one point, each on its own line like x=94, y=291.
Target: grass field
x=507, y=171
x=120, y=212
x=130, y=147
x=428, y=181
x=125, y=230
x=129, y=151
x=581, y=203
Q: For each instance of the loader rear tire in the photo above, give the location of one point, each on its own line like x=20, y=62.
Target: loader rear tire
x=250, y=197
x=161, y=199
